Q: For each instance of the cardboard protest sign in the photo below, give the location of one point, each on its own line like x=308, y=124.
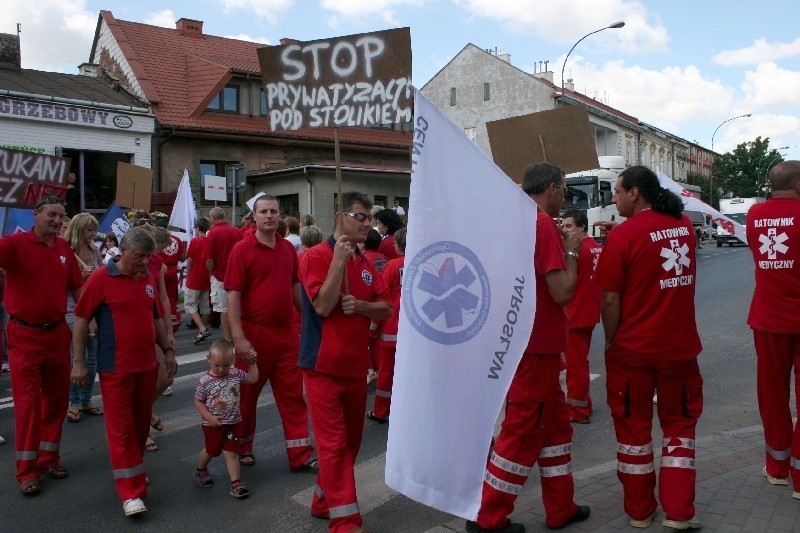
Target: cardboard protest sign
x=560, y=136
x=26, y=177
x=134, y=186
x=357, y=80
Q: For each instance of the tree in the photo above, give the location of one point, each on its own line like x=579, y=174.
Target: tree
x=744, y=172
x=702, y=182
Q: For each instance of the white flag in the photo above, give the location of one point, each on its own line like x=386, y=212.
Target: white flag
x=692, y=203
x=468, y=302
x=184, y=213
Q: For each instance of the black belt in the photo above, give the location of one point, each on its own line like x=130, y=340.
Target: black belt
x=45, y=327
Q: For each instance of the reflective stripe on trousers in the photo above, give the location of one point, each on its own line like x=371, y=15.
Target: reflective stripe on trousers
x=510, y=466
x=577, y=403
x=628, y=468
x=778, y=455
x=344, y=510
x=296, y=443
x=630, y=449
x=503, y=486
x=122, y=473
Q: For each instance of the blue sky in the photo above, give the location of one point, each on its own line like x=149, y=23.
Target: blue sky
x=682, y=66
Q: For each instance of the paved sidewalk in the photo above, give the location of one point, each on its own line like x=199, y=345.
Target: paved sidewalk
x=732, y=494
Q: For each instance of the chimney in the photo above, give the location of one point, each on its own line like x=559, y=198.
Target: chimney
x=189, y=27
x=287, y=40
x=504, y=57
x=89, y=69
x=569, y=85
x=10, y=57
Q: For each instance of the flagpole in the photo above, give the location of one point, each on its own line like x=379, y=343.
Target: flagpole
x=340, y=202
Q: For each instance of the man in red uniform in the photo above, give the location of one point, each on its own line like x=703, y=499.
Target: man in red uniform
x=38, y=339
x=263, y=294
x=198, y=281
x=387, y=339
x=172, y=256
x=773, y=234
x=343, y=291
x=219, y=243
x=647, y=272
x=123, y=298
x=583, y=313
x=536, y=427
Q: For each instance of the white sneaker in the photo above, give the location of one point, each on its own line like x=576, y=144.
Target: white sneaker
x=134, y=506
x=371, y=376
x=692, y=523
x=643, y=524
x=167, y=392
x=796, y=494
x=774, y=480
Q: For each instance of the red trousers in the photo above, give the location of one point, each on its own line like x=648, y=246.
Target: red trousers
x=128, y=402
x=383, y=387
x=171, y=284
x=577, y=355
x=630, y=387
x=536, y=429
x=40, y=367
x=277, y=362
x=374, y=354
x=337, y=414
x=776, y=354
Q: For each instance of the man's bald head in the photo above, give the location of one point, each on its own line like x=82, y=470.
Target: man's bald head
x=785, y=176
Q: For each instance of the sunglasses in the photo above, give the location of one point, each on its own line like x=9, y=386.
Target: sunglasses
x=50, y=200
x=360, y=217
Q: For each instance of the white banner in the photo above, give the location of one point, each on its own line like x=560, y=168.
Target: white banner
x=692, y=203
x=216, y=188
x=468, y=304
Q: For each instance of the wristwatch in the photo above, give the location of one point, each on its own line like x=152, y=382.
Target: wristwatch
x=573, y=254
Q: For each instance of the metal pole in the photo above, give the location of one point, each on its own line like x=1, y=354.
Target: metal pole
x=713, y=158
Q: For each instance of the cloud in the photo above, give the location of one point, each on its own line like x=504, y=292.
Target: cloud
x=771, y=88
x=164, y=18
x=245, y=37
x=761, y=51
x=55, y=33
x=566, y=21
x=361, y=8
x=270, y=10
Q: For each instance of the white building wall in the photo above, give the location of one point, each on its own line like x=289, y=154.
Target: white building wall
x=106, y=41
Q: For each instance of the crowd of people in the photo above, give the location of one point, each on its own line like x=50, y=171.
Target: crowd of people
x=316, y=315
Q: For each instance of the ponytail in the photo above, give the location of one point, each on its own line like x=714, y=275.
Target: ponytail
x=661, y=200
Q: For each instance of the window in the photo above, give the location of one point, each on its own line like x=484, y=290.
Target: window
x=470, y=133
x=605, y=140
x=263, y=106
x=226, y=100
x=487, y=91
x=96, y=180
x=452, y=96
x=381, y=200
x=289, y=205
x=213, y=168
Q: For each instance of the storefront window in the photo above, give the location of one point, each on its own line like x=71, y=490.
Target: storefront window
x=95, y=185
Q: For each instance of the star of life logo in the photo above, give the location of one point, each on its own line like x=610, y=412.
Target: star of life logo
x=150, y=291
x=675, y=257
x=366, y=275
x=772, y=244
x=62, y=259
x=446, y=293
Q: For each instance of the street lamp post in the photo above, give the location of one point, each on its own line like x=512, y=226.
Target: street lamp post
x=614, y=26
x=766, y=171
x=711, y=179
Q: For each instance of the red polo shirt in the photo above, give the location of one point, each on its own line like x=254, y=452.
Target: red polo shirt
x=583, y=311
x=172, y=255
x=219, y=242
x=549, y=333
x=337, y=344
x=773, y=234
x=125, y=308
x=650, y=261
x=264, y=276
x=38, y=277
x=198, y=279
x=386, y=247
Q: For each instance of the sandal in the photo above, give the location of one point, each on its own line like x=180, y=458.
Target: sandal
x=247, y=459
x=311, y=465
x=92, y=410
x=73, y=414
x=56, y=472
x=203, y=335
x=158, y=425
x=238, y=490
x=151, y=445
x=371, y=415
x=29, y=486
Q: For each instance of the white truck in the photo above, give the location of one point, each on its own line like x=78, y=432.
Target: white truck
x=591, y=191
x=735, y=209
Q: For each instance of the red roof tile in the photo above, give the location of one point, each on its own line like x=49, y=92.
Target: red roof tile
x=180, y=74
